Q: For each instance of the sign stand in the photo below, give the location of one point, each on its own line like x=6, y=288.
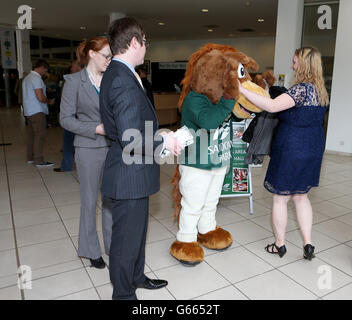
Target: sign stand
x=238, y=180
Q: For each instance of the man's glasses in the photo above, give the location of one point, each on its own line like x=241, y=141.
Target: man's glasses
x=146, y=43
x=108, y=58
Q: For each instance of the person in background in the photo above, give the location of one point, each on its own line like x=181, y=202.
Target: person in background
x=79, y=114
x=298, y=146
x=68, y=149
x=146, y=84
x=35, y=106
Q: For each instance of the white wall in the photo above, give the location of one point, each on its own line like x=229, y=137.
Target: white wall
x=288, y=36
x=261, y=49
x=339, y=137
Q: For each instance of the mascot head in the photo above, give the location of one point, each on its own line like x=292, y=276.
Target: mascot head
x=214, y=70
x=265, y=80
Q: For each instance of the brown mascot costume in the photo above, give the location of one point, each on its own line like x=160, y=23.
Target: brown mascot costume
x=265, y=80
x=209, y=103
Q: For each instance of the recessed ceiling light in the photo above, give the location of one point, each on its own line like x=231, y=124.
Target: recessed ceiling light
x=161, y=23
x=205, y=10
x=83, y=28
x=210, y=30
x=260, y=20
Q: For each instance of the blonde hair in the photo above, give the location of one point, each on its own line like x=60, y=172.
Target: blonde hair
x=310, y=69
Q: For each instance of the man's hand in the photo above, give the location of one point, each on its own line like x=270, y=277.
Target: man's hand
x=51, y=101
x=172, y=144
x=100, y=130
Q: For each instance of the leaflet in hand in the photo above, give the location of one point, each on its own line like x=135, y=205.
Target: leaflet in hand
x=184, y=136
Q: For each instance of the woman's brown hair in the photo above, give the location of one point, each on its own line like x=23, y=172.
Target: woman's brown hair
x=95, y=44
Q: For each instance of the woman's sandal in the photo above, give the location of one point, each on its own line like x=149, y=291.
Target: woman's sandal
x=281, y=251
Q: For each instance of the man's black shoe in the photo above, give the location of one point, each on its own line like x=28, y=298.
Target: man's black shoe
x=98, y=263
x=58, y=170
x=152, y=284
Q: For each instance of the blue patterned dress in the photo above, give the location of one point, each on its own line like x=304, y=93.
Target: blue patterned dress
x=299, y=144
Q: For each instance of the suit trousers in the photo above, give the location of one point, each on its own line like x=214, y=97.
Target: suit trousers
x=127, y=253
x=36, y=133
x=68, y=150
x=90, y=165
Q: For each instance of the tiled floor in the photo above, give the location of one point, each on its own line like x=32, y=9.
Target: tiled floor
x=39, y=214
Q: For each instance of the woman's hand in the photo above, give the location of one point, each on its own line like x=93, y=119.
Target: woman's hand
x=240, y=88
x=100, y=130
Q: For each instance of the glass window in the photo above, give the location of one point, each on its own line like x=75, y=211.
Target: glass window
x=323, y=39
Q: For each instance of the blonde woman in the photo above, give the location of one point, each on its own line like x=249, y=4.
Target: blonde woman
x=298, y=146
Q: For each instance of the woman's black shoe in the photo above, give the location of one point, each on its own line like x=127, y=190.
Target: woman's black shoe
x=98, y=263
x=308, y=252
x=281, y=251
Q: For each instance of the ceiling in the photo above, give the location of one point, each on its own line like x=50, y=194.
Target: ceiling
x=183, y=18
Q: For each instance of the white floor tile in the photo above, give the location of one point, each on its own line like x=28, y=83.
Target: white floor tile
x=156, y=232
x=182, y=280
x=70, y=211
x=330, y=209
x=6, y=240
x=237, y=264
x=344, y=293
x=40, y=233
x=247, y=231
x=8, y=265
x=32, y=218
x=59, y=285
x=99, y=277
x=258, y=248
x=335, y=229
x=10, y=293
x=90, y=294
x=346, y=219
x=313, y=275
x=157, y=254
x=228, y=293
x=339, y=257
x=274, y=286
x=5, y=222
x=319, y=240
x=48, y=253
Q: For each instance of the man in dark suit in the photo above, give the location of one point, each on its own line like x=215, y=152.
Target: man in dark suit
x=131, y=173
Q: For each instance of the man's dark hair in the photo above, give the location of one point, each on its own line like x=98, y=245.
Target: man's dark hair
x=41, y=63
x=121, y=32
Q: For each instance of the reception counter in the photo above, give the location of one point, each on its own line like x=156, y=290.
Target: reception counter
x=166, y=108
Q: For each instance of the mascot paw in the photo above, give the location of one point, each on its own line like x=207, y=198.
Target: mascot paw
x=218, y=239
x=188, y=253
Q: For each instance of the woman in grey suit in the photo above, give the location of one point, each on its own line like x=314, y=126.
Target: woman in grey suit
x=80, y=114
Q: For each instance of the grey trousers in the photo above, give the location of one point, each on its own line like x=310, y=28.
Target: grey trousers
x=90, y=165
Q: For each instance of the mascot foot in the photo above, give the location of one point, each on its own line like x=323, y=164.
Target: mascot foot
x=218, y=239
x=188, y=253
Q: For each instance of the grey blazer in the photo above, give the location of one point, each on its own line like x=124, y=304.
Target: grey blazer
x=79, y=110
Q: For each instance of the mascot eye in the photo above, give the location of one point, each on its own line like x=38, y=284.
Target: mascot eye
x=240, y=71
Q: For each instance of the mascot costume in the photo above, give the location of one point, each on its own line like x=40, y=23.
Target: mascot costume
x=209, y=102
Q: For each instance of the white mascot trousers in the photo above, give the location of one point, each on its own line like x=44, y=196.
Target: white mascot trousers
x=200, y=191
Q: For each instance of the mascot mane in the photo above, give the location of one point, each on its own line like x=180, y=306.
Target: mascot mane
x=186, y=82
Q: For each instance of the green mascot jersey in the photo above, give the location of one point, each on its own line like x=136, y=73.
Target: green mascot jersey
x=211, y=126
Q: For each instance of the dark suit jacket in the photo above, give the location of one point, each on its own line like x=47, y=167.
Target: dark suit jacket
x=124, y=105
